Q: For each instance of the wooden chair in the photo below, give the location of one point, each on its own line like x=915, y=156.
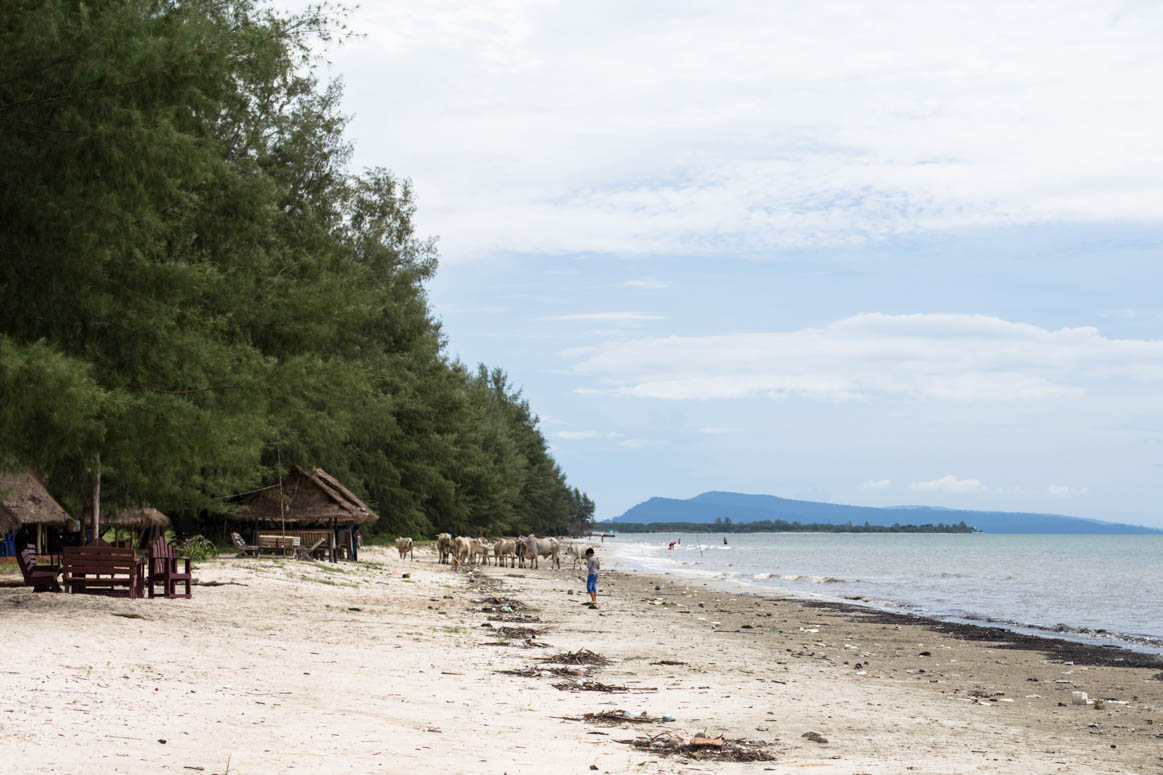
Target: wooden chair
x=163, y=569
x=103, y=567
x=308, y=552
x=42, y=578
x=244, y=549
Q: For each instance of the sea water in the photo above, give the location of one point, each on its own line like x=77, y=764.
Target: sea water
x=1094, y=588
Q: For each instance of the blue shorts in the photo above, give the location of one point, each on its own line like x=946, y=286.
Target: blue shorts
x=592, y=583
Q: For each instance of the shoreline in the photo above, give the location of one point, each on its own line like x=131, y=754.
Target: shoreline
x=281, y=666
x=738, y=582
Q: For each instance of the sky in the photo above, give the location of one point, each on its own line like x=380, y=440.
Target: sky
x=878, y=254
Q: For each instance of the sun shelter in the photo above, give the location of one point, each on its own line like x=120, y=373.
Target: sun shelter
x=146, y=519
x=26, y=505
x=307, y=504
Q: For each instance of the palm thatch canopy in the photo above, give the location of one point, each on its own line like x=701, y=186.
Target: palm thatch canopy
x=25, y=501
x=138, y=517
x=309, y=497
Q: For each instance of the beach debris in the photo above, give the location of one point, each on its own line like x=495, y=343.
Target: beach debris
x=515, y=632
x=815, y=737
x=1099, y=704
x=543, y=672
x=1078, y=698
x=522, y=618
x=579, y=657
x=703, y=748
x=669, y=662
x=614, y=717
x=586, y=685
x=669, y=718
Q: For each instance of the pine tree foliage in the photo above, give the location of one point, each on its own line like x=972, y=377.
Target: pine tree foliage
x=195, y=287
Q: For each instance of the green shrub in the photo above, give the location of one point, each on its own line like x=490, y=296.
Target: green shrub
x=198, y=548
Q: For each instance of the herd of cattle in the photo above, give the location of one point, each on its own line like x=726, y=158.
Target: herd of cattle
x=513, y=552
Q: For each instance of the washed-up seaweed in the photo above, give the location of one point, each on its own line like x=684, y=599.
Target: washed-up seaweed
x=517, y=632
x=515, y=617
x=528, y=643
x=590, y=686
x=615, y=717
x=702, y=748
x=542, y=672
x=669, y=662
x=579, y=657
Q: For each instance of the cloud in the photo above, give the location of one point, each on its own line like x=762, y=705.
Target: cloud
x=639, y=443
x=615, y=316
x=1060, y=491
x=876, y=484
x=576, y=435
x=950, y=484
x=713, y=430
x=646, y=282
x=731, y=127
x=928, y=356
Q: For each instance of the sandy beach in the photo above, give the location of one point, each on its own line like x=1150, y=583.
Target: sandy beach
x=280, y=666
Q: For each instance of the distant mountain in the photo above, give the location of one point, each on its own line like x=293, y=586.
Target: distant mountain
x=753, y=508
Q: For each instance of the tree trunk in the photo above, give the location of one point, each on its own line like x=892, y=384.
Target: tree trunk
x=97, y=498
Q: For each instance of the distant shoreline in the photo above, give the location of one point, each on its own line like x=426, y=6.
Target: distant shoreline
x=775, y=527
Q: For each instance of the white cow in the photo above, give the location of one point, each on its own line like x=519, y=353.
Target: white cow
x=505, y=548
x=444, y=546
x=461, y=549
x=480, y=551
x=542, y=547
x=576, y=553
x=405, y=547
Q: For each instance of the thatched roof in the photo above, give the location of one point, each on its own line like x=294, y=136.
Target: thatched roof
x=310, y=496
x=25, y=501
x=138, y=517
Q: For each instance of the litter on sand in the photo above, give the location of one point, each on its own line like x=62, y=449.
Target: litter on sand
x=703, y=748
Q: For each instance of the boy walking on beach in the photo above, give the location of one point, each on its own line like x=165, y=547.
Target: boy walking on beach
x=592, y=566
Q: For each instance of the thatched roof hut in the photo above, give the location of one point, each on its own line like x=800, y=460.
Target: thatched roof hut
x=25, y=501
x=309, y=497
x=138, y=517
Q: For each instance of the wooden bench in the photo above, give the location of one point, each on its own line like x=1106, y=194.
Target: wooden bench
x=42, y=578
x=278, y=543
x=103, y=567
x=163, y=569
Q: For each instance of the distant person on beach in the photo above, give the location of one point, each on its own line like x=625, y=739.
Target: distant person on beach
x=724, y=540
x=592, y=566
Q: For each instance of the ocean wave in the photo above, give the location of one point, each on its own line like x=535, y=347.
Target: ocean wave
x=785, y=577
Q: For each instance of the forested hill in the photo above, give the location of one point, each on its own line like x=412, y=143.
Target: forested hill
x=739, y=507
x=196, y=290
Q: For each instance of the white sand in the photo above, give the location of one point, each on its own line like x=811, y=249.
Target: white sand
x=284, y=674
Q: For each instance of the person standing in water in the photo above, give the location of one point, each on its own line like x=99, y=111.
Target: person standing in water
x=592, y=566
